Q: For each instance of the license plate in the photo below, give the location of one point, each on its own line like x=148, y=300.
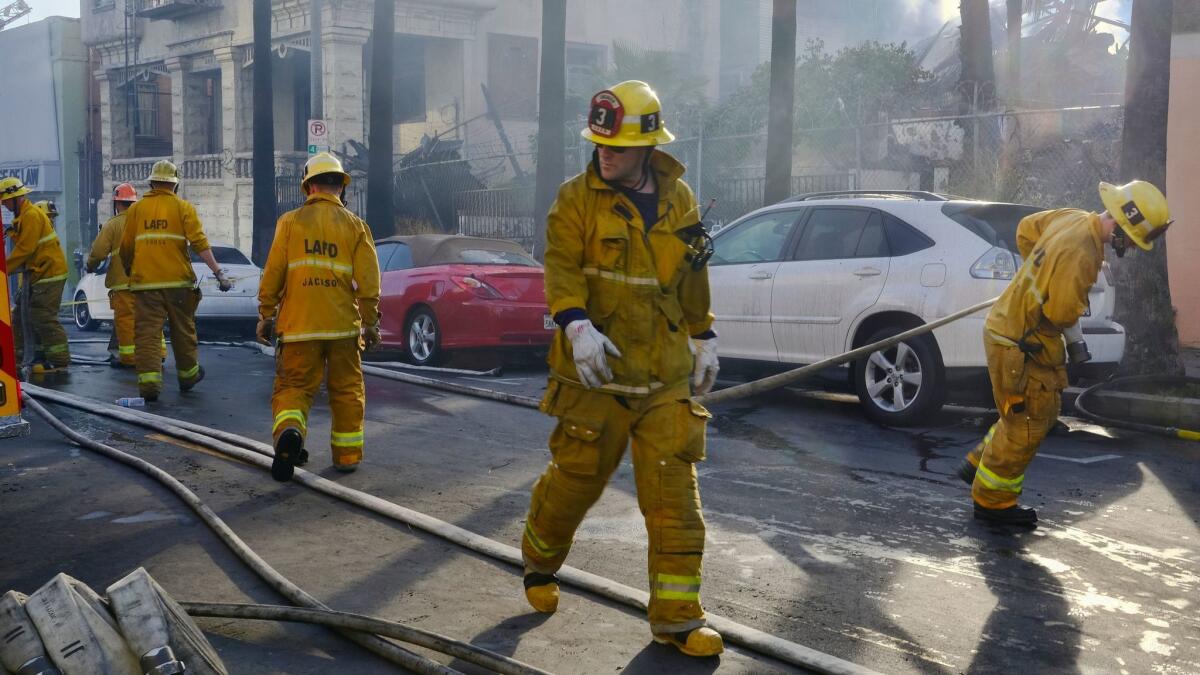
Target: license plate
x=548, y=322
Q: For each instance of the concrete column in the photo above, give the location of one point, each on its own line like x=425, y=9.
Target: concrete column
x=104, y=85
x=230, y=73
x=179, y=105
x=342, y=50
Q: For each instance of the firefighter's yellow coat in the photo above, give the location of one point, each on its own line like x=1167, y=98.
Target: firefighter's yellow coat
x=321, y=284
x=1062, y=251
x=36, y=246
x=159, y=228
x=639, y=290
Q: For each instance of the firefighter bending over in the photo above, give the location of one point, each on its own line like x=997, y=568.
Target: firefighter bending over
x=320, y=297
x=627, y=284
x=1063, y=250
x=36, y=250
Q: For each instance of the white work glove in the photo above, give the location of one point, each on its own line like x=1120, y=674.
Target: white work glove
x=588, y=346
x=706, y=366
x=223, y=282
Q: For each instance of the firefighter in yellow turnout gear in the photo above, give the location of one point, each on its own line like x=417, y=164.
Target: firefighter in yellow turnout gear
x=1063, y=250
x=625, y=280
x=159, y=228
x=36, y=250
x=320, y=294
x=107, y=244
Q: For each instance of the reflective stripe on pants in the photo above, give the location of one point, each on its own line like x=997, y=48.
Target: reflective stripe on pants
x=50, y=338
x=151, y=310
x=299, y=367
x=667, y=435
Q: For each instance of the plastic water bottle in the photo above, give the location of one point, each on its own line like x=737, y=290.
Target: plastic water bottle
x=132, y=402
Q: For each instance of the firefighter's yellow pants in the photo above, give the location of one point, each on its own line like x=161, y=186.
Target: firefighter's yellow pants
x=298, y=370
x=122, y=307
x=1028, y=396
x=667, y=430
x=151, y=310
x=50, y=339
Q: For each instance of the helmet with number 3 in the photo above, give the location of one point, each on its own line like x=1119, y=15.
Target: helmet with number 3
x=1139, y=208
x=628, y=115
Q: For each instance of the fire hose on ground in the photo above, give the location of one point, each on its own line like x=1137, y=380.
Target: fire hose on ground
x=1081, y=406
x=344, y=624
x=257, y=453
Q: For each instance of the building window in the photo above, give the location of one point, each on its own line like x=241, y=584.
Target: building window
x=146, y=109
x=512, y=75
x=103, y=4
x=408, y=79
x=583, y=62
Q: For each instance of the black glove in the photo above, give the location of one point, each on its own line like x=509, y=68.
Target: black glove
x=265, y=332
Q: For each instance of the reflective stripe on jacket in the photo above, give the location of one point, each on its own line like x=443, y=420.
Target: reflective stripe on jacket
x=108, y=243
x=159, y=227
x=322, y=274
x=634, y=284
x=1050, y=290
x=36, y=246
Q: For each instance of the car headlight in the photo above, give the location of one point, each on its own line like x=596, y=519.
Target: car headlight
x=997, y=263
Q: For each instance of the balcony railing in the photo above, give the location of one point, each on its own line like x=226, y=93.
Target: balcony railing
x=174, y=9
x=133, y=170
x=201, y=167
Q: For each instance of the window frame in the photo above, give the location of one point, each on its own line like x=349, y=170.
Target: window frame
x=798, y=215
x=871, y=211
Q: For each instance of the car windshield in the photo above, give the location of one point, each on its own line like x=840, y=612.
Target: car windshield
x=225, y=255
x=994, y=223
x=483, y=256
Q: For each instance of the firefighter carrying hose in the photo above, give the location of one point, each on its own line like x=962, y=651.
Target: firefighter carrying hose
x=154, y=252
x=320, y=297
x=37, y=250
x=1023, y=339
x=627, y=284
x=121, y=299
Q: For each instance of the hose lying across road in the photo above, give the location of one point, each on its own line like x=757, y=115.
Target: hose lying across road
x=259, y=454
x=347, y=625
x=1171, y=432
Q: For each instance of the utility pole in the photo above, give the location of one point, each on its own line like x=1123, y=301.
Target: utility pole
x=551, y=102
x=380, y=211
x=316, y=64
x=1014, y=50
x=264, y=136
x=781, y=101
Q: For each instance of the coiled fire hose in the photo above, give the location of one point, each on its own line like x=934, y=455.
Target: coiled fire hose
x=348, y=625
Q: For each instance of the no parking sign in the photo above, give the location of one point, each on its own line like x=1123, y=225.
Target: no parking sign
x=318, y=136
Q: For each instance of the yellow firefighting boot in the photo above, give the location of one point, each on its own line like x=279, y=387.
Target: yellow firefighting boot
x=702, y=641
x=541, y=590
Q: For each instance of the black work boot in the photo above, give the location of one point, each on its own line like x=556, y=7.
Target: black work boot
x=288, y=448
x=187, y=386
x=1013, y=515
x=966, y=471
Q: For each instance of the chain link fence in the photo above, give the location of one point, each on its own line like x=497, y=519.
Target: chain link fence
x=1046, y=158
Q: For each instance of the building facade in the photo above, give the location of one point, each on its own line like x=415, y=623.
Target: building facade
x=43, y=117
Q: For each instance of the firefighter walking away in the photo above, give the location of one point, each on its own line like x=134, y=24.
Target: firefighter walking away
x=320, y=297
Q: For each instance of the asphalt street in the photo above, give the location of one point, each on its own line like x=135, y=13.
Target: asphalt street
x=823, y=529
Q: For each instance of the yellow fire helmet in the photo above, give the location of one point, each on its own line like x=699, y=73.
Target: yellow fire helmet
x=629, y=115
x=1139, y=208
x=163, y=172
x=320, y=163
x=48, y=207
x=11, y=187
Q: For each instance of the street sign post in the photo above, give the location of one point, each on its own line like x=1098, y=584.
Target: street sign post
x=318, y=136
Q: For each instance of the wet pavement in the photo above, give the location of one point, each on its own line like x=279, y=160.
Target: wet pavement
x=823, y=528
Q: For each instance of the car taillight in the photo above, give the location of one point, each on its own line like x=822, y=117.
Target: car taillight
x=479, y=288
x=997, y=263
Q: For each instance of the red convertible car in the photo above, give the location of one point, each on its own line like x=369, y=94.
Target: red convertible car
x=444, y=292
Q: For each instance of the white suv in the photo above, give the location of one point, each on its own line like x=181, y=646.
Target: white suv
x=818, y=275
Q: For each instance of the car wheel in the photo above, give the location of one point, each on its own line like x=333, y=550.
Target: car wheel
x=83, y=316
x=424, y=338
x=904, y=384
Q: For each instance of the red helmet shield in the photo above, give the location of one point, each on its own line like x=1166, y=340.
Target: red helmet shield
x=606, y=114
